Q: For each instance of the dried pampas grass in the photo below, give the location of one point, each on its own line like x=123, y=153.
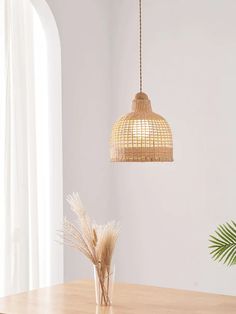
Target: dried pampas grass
x=96, y=242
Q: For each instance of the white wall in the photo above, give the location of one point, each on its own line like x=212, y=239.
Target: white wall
x=166, y=211
x=84, y=31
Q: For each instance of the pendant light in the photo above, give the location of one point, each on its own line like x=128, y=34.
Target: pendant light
x=141, y=135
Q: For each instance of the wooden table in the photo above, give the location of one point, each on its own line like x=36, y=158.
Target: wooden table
x=78, y=297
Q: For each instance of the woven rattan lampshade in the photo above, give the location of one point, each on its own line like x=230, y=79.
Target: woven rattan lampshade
x=141, y=135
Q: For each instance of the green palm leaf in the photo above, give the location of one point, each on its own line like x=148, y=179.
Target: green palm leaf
x=223, y=244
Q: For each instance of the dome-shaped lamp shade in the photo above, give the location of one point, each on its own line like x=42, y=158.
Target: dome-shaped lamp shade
x=142, y=135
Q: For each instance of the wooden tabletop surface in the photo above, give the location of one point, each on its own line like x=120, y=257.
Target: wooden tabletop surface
x=78, y=297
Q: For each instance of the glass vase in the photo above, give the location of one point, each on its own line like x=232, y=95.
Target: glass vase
x=104, y=279
x=104, y=309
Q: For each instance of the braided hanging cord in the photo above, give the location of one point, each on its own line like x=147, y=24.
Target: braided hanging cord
x=140, y=48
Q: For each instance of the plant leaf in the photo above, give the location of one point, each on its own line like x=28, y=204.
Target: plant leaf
x=223, y=248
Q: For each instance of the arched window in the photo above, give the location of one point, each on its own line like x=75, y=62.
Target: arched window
x=30, y=147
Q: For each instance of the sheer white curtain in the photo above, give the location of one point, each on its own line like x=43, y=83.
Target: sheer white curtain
x=30, y=152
